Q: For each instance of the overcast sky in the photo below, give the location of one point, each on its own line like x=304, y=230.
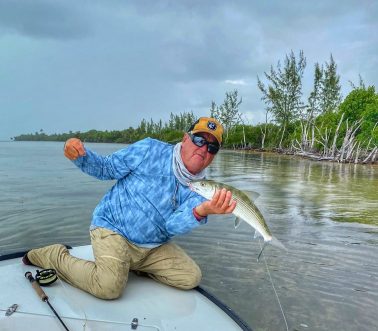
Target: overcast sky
x=106, y=65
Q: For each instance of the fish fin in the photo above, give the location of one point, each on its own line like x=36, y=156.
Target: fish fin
x=276, y=243
x=252, y=195
x=262, y=248
x=256, y=235
x=238, y=220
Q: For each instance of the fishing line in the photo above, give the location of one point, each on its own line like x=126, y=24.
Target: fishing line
x=274, y=288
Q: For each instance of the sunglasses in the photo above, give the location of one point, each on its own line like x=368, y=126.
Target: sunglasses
x=199, y=141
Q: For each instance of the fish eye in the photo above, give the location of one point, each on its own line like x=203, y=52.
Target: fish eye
x=202, y=184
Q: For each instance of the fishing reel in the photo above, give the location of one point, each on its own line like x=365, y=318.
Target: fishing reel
x=46, y=277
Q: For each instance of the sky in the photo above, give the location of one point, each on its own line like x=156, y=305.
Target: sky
x=105, y=65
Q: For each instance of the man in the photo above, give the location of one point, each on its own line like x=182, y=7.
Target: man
x=148, y=205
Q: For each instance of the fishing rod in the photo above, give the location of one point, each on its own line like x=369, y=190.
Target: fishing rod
x=43, y=295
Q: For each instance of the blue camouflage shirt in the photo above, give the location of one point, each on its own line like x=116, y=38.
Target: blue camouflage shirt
x=147, y=204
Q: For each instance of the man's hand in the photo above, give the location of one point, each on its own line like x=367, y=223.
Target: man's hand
x=221, y=203
x=74, y=148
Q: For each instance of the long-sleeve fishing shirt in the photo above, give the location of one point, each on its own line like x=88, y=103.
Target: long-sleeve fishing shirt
x=147, y=204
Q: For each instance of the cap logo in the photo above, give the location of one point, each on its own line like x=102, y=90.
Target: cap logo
x=211, y=125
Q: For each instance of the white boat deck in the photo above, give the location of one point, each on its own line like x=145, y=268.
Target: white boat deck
x=155, y=306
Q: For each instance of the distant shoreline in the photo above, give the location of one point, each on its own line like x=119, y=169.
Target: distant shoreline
x=310, y=156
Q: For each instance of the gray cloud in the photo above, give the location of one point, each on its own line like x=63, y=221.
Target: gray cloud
x=43, y=19
x=77, y=65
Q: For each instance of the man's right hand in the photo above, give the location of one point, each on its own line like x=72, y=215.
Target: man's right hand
x=74, y=148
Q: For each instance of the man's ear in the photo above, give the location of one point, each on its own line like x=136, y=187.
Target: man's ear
x=185, y=137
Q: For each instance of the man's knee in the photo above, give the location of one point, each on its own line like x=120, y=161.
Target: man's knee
x=109, y=288
x=192, y=279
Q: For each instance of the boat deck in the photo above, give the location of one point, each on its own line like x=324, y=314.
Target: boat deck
x=152, y=306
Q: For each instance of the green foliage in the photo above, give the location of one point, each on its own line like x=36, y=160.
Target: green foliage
x=181, y=122
x=228, y=112
x=170, y=132
x=369, y=127
x=326, y=125
x=283, y=93
x=326, y=95
x=356, y=102
x=362, y=104
x=330, y=96
x=253, y=136
x=272, y=135
x=314, y=100
x=236, y=137
x=172, y=136
x=327, y=120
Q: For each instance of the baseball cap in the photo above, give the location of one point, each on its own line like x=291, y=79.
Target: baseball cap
x=209, y=125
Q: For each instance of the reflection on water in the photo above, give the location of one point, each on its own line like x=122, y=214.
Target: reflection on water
x=324, y=213
x=328, y=278
x=320, y=191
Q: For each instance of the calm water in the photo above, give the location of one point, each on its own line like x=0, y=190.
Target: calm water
x=326, y=214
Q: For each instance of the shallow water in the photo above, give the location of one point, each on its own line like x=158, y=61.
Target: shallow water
x=324, y=213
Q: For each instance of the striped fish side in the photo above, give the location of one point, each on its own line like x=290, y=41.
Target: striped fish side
x=248, y=212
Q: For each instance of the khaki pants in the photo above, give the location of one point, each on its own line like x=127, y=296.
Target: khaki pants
x=114, y=257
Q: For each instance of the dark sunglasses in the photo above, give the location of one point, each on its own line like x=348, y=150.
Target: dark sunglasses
x=199, y=141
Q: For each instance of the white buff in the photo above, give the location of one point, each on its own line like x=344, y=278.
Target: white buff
x=182, y=174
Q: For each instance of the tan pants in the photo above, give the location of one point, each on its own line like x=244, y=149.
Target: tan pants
x=114, y=257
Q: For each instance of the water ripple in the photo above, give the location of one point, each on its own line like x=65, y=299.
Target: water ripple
x=324, y=213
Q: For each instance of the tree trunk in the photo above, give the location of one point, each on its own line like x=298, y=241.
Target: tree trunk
x=263, y=133
x=245, y=144
x=333, y=149
x=282, y=136
x=312, y=136
x=357, y=153
x=372, y=155
x=348, y=142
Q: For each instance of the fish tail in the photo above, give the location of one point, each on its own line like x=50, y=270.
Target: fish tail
x=276, y=243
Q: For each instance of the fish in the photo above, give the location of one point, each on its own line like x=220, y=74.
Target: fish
x=245, y=209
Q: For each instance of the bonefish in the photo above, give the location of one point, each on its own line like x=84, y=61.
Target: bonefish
x=245, y=209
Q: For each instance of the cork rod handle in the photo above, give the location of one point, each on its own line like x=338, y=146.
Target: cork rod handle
x=36, y=286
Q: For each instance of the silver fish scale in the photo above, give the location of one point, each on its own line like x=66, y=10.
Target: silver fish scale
x=251, y=211
x=245, y=209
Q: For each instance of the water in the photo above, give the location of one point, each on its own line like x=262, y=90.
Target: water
x=325, y=213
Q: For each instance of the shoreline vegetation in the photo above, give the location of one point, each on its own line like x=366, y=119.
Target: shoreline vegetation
x=323, y=126
x=242, y=137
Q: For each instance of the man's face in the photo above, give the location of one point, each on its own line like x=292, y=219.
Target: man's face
x=196, y=158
